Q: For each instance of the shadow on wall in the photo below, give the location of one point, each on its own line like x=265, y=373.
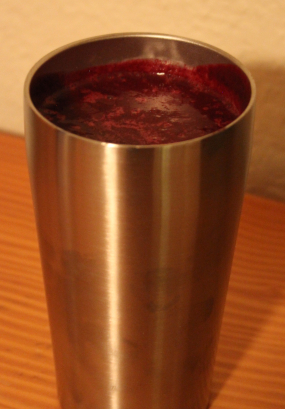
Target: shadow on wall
x=267, y=168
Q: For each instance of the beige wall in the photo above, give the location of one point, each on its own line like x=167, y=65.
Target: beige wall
x=251, y=30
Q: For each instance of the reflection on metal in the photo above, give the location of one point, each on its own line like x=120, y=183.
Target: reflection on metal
x=112, y=251
x=162, y=208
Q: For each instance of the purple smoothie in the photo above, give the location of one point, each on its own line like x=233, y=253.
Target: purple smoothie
x=143, y=102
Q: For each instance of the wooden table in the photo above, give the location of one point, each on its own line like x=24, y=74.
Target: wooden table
x=250, y=366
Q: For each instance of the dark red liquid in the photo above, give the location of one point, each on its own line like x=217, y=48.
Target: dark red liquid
x=143, y=102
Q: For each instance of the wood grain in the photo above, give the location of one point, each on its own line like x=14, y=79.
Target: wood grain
x=250, y=366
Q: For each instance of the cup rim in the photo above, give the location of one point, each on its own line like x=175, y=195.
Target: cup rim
x=59, y=50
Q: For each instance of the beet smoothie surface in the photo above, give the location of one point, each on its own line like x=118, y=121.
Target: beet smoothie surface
x=144, y=101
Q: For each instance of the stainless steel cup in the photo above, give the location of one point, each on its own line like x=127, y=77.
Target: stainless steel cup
x=136, y=242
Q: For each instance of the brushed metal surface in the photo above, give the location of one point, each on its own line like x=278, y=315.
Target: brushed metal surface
x=136, y=244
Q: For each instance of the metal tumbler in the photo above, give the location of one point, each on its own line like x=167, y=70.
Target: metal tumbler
x=136, y=242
